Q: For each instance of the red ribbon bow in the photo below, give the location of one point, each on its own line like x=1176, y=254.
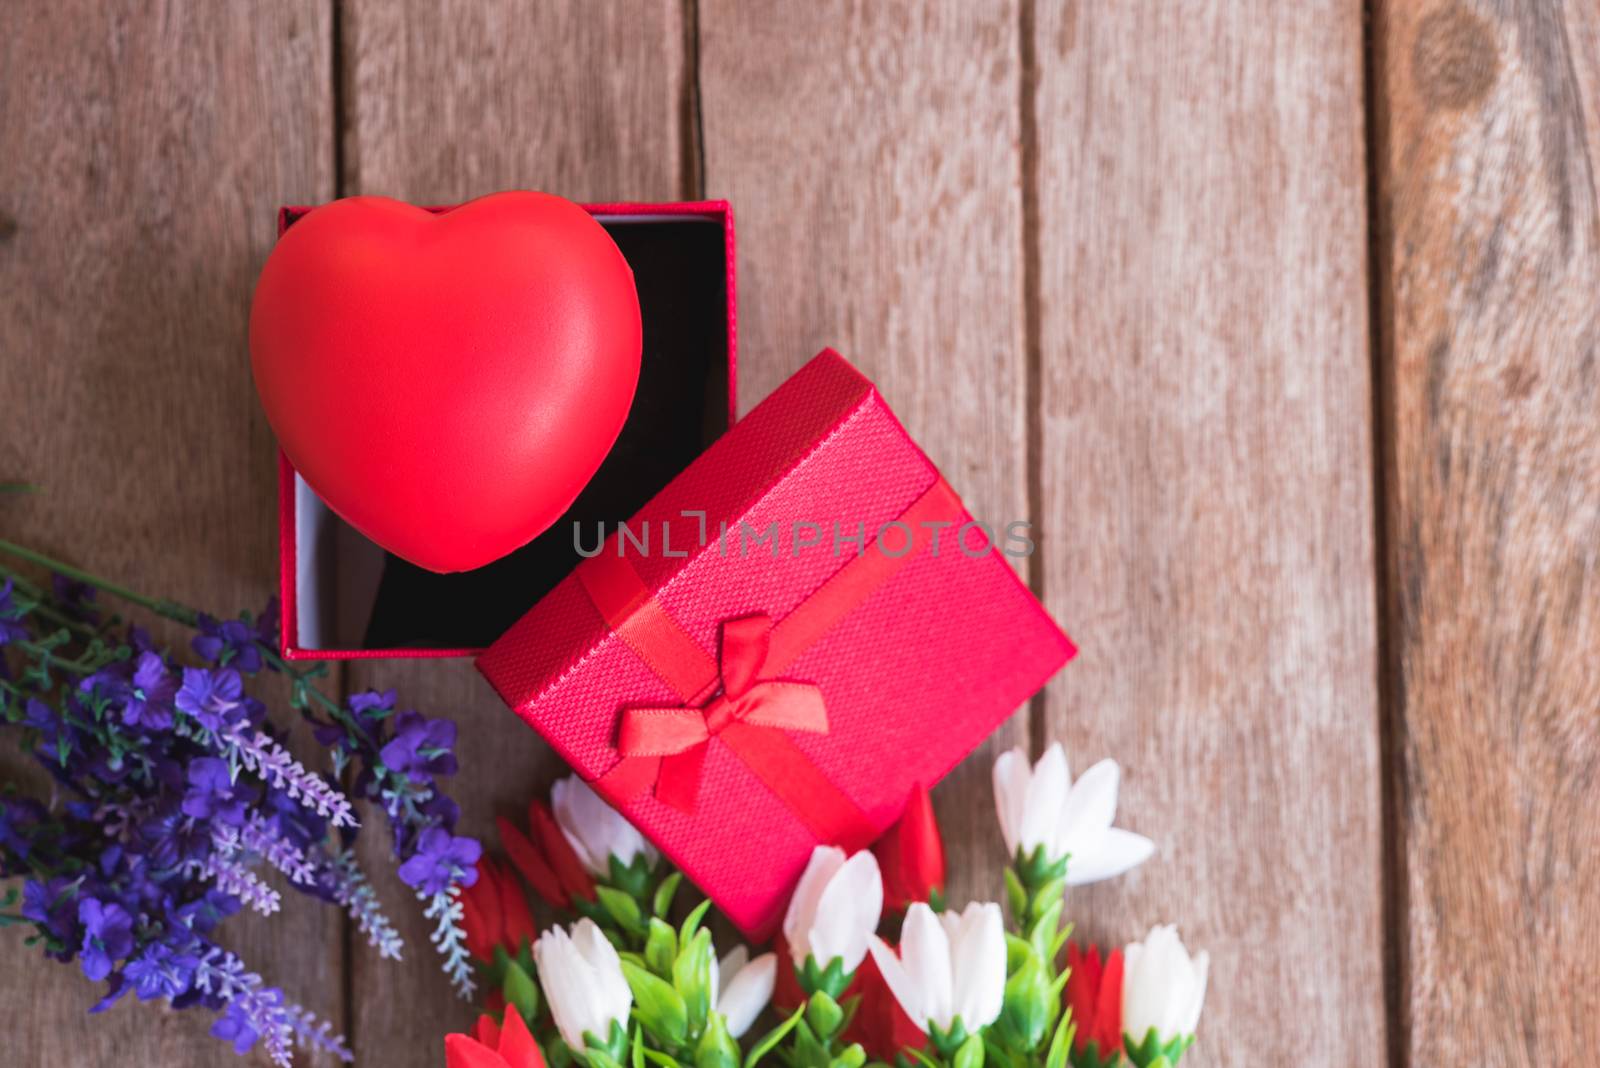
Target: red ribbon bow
x=742, y=703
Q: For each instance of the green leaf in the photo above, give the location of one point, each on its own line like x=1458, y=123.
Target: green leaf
x=770, y=1040
x=660, y=947
x=657, y=1005
x=809, y=1052
x=660, y=1059
x=716, y=1048
x=1026, y=1010
x=520, y=991
x=1043, y=931
x=852, y=1056
x=632, y=878
x=1151, y=1052
x=833, y=979
x=996, y=1054
x=824, y=1015
x=691, y=923
x=638, y=1047
x=1016, y=897
x=1059, y=941
x=970, y=1055
x=1061, y=1042
x=691, y=977
x=621, y=908
x=661, y=904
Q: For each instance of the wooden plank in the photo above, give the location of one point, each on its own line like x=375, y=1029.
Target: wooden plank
x=444, y=102
x=141, y=160
x=1206, y=466
x=872, y=154
x=1491, y=260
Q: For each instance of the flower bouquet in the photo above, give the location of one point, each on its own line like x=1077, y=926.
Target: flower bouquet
x=872, y=965
x=173, y=792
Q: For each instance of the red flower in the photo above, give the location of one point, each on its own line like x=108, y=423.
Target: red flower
x=911, y=855
x=1094, y=994
x=880, y=1025
x=495, y=913
x=494, y=1046
x=545, y=858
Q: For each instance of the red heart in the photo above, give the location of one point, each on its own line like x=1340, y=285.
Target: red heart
x=447, y=382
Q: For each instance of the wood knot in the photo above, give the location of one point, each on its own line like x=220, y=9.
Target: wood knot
x=1455, y=60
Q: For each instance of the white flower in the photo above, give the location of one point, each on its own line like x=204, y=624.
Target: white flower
x=1042, y=806
x=1162, y=987
x=595, y=829
x=582, y=979
x=949, y=966
x=749, y=987
x=835, y=908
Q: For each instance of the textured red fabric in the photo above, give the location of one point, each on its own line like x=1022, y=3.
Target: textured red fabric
x=914, y=675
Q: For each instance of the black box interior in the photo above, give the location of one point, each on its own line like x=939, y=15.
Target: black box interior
x=679, y=408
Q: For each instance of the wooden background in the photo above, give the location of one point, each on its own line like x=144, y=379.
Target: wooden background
x=1280, y=321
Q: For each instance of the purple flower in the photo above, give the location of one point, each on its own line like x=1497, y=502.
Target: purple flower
x=11, y=629
x=214, y=698
x=49, y=905
x=19, y=817
x=421, y=747
x=205, y=912
x=236, y=1026
x=77, y=597
x=149, y=701
x=371, y=704
x=267, y=623
x=160, y=972
x=228, y=642
x=213, y=794
x=107, y=936
x=441, y=859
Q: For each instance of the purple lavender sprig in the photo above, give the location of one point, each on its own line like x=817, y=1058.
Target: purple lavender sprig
x=252, y=1011
x=351, y=890
x=174, y=795
x=259, y=837
x=256, y=751
x=449, y=938
x=234, y=878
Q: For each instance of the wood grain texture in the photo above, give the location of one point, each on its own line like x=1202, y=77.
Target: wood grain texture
x=443, y=103
x=1207, y=481
x=143, y=150
x=872, y=155
x=1491, y=254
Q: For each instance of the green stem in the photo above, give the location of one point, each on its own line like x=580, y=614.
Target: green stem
x=77, y=667
x=167, y=609
x=177, y=612
x=62, y=619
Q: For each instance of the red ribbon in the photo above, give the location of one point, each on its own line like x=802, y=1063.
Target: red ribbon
x=680, y=734
x=739, y=700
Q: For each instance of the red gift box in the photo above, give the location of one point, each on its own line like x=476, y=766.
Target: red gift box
x=341, y=595
x=801, y=627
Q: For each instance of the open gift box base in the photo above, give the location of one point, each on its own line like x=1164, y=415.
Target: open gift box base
x=345, y=598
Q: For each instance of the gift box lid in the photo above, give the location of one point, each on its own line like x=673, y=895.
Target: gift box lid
x=800, y=628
